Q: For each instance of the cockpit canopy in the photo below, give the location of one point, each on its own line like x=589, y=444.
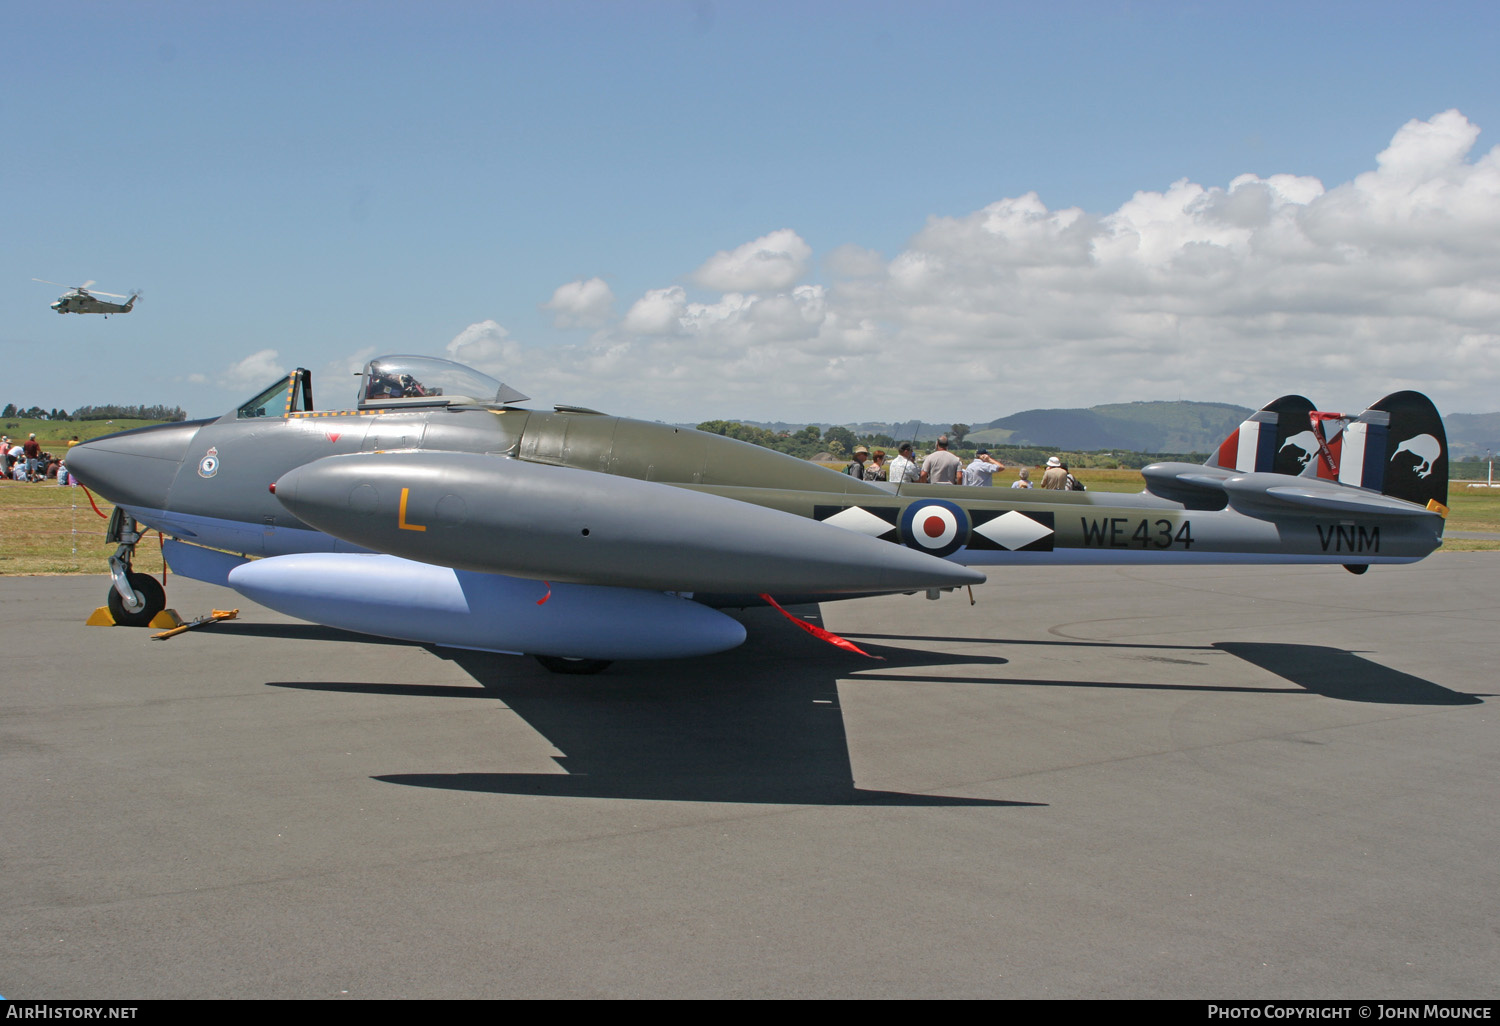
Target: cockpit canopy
x=386, y=382
x=424, y=380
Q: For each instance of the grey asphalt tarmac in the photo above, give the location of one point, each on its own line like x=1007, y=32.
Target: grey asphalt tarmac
x=1156, y=782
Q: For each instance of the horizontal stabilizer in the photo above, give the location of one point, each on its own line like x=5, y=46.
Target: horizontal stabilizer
x=1195, y=485
x=1271, y=496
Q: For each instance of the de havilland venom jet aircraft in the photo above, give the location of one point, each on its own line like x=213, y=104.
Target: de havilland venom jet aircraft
x=435, y=510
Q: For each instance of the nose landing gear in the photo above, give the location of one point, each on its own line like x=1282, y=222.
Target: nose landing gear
x=134, y=599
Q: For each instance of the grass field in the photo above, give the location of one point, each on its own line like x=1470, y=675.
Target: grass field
x=47, y=529
x=54, y=435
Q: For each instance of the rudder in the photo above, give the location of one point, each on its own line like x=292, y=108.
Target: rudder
x=1406, y=456
x=1268, y=440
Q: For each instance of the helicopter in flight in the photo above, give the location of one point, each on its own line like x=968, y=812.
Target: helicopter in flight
x=79, y=299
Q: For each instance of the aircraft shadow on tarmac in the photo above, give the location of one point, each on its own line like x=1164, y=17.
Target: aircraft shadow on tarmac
x=1335, y=673
x=300, y=632
x=1318, y=669
x=749, y=726
x=755, y=726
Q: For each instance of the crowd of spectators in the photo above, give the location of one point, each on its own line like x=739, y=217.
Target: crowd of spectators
x=943, y=467
x=28, y=462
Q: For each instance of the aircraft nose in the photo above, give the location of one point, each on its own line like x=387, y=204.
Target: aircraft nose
x=133, y=468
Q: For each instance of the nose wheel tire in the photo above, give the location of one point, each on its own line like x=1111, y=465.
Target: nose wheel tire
x=151, y=595
x=561, y=664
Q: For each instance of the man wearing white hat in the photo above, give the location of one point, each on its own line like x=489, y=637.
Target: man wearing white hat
x=1056, y=477
x=860, y=469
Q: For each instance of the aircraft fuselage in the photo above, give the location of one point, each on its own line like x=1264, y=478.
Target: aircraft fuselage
x=209, y=483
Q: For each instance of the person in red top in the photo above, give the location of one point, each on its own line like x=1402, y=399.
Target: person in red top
x=33, y=452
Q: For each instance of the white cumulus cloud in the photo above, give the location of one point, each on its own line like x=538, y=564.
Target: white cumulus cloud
x=1234, y=292
x=581, y=304
x=259, y=368
x=658, y=312
x=774, y=261
x=486, y=346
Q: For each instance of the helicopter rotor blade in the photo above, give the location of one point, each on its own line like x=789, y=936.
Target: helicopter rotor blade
x=115, y=295
x=44, y=281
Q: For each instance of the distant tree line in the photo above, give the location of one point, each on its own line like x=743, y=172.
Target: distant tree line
x=807, y=443
x=169, y=413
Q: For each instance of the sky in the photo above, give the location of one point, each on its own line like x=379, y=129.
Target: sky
x=703, y=209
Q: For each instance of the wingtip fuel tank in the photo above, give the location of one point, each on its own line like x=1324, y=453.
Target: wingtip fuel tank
x=399, y=598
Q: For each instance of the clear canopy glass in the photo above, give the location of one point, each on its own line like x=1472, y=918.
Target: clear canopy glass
x=388, y=379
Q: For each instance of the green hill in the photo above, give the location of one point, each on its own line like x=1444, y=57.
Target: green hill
x=55, y=434
x=1149, y=427
x=1133, y=427
x=1472, y=434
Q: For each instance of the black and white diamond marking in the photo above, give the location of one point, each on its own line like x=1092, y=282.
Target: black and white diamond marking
x=876, y=521
x=1013, y=531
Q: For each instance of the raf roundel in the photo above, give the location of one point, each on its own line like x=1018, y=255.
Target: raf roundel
x=208, y=466
x=935, y=527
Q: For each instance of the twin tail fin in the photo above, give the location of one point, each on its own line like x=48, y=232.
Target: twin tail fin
x=1397, y=448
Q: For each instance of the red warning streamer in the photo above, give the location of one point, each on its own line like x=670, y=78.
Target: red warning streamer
x=92, y=502
x=820, y=633
x=1317, y=418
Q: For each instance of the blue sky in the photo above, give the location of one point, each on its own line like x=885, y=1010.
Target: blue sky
x=313, y=183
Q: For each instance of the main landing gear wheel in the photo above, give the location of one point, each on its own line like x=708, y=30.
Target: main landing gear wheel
x=148, y=592
x=562, y=664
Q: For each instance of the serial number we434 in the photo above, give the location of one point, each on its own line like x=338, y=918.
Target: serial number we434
x=1129, y=533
